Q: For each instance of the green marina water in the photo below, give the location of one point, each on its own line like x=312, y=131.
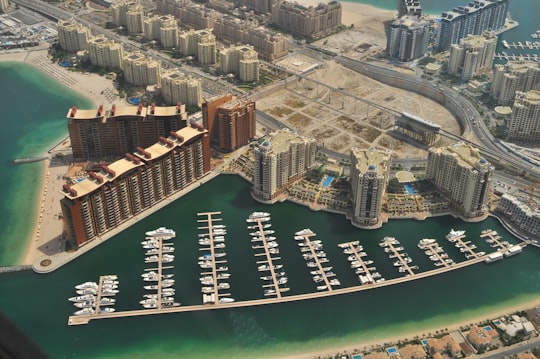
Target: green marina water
x=38, y=303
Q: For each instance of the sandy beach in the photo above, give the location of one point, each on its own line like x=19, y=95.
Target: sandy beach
x=48, y=224
x=330, y=352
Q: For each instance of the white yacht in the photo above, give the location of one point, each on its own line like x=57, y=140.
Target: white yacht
x=426, y=241
x=109, y=277
x=335, y=282
x=109, y=292
x=85, y=304
x=82, y=298
x=161, y=232
x=259, y=215
x=86, y=291
x=452, y=236
x=86, y=285
x=304, y=232
x=85, y=311
x=321, y=287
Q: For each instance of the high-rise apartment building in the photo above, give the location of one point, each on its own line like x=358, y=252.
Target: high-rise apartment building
x=209, y=109
x=153, y=24
x=179, y=87
x=474, y=53
x=241, y=60
x=206, y=48
x=312, y=22
x=119, y=11
x=514, y=76
x=72, y=36
x=4, y=5
x=472, y=19
x=524, y=125
x=369, y=175
x=111, y=133
x=135, y=16
x=463, y=176
x=408, y=38
x=122, y=189
x=168, y=33
x=140, y=70
x=280, y=160
x=105, y=53
x=199, y=43
x=232, y=124
x=409, y=7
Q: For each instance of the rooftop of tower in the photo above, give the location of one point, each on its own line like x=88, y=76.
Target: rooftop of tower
x=370, y=159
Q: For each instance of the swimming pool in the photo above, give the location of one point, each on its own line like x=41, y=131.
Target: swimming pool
x=409, y=188
x=391, y=350
x=327, y=181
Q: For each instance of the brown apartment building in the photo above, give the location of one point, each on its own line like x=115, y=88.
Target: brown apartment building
x=112, y=133
x=230, y=121
x=124, y=188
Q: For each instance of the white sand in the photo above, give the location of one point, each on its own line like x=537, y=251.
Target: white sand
x=45, y=238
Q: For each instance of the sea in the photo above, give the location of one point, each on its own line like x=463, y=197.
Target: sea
x=38, y=305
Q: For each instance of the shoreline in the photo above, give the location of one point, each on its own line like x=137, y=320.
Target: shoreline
x=47, y=226
x=372, y=344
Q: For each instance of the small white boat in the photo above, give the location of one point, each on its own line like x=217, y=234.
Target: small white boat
x=82, y=298
x=225, y=300
x=109, y=277
x=321, y=287
x=304, y=232
x=85, y=304
x=426, y=241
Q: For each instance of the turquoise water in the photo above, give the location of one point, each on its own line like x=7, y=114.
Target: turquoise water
x=38, y=303
x=32, y=119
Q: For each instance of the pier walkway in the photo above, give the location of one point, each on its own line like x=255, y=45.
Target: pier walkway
x=356, y=252
x=84, y=319
x=436, y=251
x=400, y=258
x=314, y=254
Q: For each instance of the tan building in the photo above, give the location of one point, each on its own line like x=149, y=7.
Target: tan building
x=153, y=24
x=119, y=11
x=72, y=36
x=233, y=123
x=408, y=37
x=242, y=61
x=105, y=53
x=524, y=124
x=198, y=17
x=312, y=22
x=199, y=43
x=514, y=76
x=369, y=175
x=140, y=70
x=111, y=133
x=473, y=54
x=281, y=159
x=444, y=345
x=463, y=176
x=269, y=45
x=135, y=16
x=168, y=34
x=479, y=338
x=259, y=6
x=4, y=5
x=206, y=48
x=178, y=87
x=124, y=188
x=412, y=351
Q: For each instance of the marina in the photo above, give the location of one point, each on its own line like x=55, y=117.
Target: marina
x=315, y=259
x=212, y=242
x=277, y=280
x=366, y=275
x=275, y=270
x=435, y=252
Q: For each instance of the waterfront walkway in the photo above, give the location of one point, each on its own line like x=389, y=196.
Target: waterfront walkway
x=84, y=319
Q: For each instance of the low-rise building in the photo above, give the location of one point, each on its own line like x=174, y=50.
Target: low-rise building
x=479, y=337
x=446, y=344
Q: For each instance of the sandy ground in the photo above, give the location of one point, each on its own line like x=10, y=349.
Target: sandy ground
x=48, y=224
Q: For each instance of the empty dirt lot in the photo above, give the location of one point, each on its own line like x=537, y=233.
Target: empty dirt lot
x=340, y=122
